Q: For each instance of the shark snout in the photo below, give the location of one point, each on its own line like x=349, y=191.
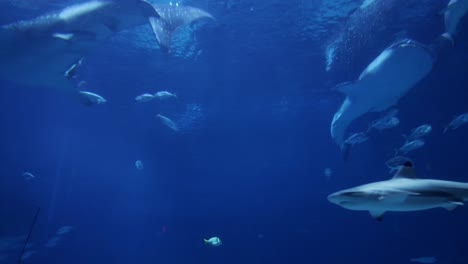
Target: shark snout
x=335, y=198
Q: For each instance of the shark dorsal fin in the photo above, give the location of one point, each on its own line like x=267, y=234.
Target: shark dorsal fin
x=405, y=171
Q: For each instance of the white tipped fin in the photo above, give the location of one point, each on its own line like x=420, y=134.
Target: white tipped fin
x=450, y=206
x=405, y=172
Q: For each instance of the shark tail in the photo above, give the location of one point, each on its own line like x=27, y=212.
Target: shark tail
x=162, y=32
x=206, y=241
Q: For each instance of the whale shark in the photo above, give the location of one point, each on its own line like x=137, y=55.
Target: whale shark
x=174, y=16
x=402, y=193
x=46, y=51
x=382, y=83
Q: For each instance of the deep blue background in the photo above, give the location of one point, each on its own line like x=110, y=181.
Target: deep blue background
x=253, y=165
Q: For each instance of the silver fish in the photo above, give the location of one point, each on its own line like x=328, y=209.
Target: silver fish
x=457, y=122
x=164, y=95
x=146, y=97
x=411, y=145
x=90, y=98
x=419, y=132
x=384, y=123
x=168, y=122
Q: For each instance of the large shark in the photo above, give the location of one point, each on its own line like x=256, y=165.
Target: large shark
x=45, y=51
x=173, y=16
x=383, y=82
x=403, y=193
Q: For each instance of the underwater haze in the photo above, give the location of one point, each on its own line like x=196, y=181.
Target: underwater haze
x=239, y=149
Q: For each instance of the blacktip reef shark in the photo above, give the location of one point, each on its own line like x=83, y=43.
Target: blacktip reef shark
x=45, y=51
x=403, y=193
x=382, y=83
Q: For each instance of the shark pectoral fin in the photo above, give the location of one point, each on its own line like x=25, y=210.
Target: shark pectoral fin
x=63, y=36
x=377, y=215
x=163, y=34
x=347, y=88
x=450, y=206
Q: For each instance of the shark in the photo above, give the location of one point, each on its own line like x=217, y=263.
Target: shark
x=173, y=16
x=383, y=82
x=402, y=193
x=47, y=50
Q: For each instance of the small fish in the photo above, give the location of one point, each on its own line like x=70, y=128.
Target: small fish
x=162, y=95
x=382, y=124
x=396, y=162
x=457, y=122
x=357, y=138
x=90, y=98
x=168, y=122
x=139, y=164
x=411, y=145
x=214, y=241
x=419, y=132
x=389, y=120
x=64, y=230
x=146, y=97
x=424, y=260
x=28, y=176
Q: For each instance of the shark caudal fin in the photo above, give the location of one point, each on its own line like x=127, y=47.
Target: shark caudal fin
x=171, y=18
x=162, y=32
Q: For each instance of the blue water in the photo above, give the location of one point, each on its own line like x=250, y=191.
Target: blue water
x=255, y=102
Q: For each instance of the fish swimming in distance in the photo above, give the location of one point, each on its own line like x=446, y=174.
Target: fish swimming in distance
x=457, y=122
x=410, y=146
x=146, y=97
x=168, y=122
x=419, y=132
x=162, y=95
x=214, y=241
